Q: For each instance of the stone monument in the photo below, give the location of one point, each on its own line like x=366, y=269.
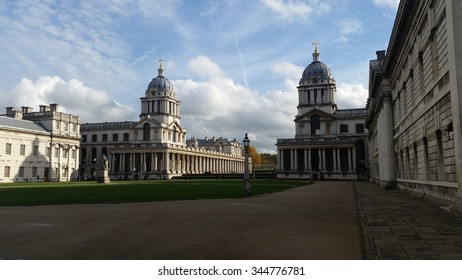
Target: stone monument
x=103, y=172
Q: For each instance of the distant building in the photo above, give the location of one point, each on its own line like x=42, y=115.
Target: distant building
x=155, y=147
x=329, y=143
x=39, y=146
x=415, y=102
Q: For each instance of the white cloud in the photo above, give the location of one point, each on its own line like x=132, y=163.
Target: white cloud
x=205, y=68
x=351, y=96
x=289, y=10
x=348, y=27
x=387, y=3
x=221, y=107
x=73, y=97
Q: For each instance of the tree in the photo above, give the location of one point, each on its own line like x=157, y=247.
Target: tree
x=254, y=155
x=268, y=159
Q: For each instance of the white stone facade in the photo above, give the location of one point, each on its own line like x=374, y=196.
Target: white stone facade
x=155, y=146
x=329, y=144
x=414, y=106
x=39, y=146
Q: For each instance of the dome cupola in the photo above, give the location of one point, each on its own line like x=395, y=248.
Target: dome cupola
x=160, y=85
x=316, y=70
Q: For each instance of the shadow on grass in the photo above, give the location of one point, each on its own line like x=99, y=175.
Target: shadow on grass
x=27, y=194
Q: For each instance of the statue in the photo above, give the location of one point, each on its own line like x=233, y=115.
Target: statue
x=102, y=175
x=105, y=162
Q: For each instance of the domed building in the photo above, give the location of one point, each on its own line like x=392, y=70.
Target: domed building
x=155, y=147
x=329, y=143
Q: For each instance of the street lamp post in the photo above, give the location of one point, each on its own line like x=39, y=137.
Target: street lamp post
x=246, y=187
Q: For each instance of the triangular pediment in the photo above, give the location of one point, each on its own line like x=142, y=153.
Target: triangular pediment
x=175, y=125
x=315, y=111
x=149, y=121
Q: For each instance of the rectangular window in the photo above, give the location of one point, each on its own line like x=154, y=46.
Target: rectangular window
x=74, y=127
x=56, y=152
x=35, y=151
x=84, y=138
x=6, y=172
x=126, y=137
x=74, y=154
x=65, y=152
x=57, y=124
x=343, y=128
x=359, y=128
x=66, y=127
x=115, y=137
x=22, y=150
x=21, y=172
x=34, y=172
x=94, y=138
x=8, y=149
x=104, y=137
x=48, y=151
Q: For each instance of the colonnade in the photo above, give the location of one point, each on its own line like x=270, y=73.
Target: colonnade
x=318, y=159
x=173, y=163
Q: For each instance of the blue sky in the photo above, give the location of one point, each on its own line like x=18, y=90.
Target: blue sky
x=235, y=64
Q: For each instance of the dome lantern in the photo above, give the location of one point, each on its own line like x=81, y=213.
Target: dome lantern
x=316, y=69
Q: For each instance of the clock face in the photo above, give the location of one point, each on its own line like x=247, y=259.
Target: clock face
x=314, y=80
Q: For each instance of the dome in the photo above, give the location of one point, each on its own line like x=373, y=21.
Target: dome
x=160, y=84
x=316, y=69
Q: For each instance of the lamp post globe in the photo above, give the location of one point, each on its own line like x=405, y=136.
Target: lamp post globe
x=246, y=186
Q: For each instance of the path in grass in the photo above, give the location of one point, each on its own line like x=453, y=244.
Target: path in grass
x=24, y=194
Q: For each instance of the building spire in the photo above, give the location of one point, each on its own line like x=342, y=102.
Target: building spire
x=316, y=52
x=161, y=68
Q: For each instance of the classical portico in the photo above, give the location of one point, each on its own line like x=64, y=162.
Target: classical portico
x=329, y=143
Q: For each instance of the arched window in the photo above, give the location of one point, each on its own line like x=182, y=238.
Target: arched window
x=104, y=151
x=84, y=155
x=174, y=134
x=93, y=155
x=146, y=132
x=315, y=124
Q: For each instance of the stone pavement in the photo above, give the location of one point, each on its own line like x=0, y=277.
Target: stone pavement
x=320, y=221
x=396, y=225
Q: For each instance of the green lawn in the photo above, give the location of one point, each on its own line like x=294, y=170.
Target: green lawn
x=132, y=191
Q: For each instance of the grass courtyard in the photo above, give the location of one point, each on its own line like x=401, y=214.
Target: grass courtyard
x=52, y=193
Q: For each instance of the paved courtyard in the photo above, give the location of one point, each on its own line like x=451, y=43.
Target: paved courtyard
x=326, y=220
x=313, y=222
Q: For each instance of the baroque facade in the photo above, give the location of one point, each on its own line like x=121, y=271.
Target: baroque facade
x=329, y=143
x=39, y=146
x=414, y=107
x=155, y=147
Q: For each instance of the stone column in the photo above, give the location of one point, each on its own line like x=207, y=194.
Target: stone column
x=387, y=151
x=281, y=160
x=339, y=164
x=295, y=158
x=305, y=158
x=454, y=45
x=154, y=162
x=349, y=160
x=166, y=163
x=323, y=152
x=309, y=160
